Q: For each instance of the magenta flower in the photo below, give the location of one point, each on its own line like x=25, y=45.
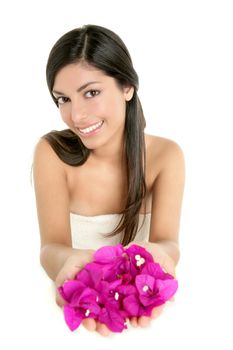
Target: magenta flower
x=81, y=302
x=138, y=259
x=155, y=292
x=108, y=254
x=118, y=284
x=114, y=262
x=113, y=318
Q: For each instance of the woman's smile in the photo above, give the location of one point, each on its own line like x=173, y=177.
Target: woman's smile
x=92, y=130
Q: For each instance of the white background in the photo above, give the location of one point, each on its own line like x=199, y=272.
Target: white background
x=182, y=51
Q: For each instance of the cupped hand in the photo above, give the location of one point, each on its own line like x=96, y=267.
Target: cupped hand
x=72, y=267
x=168, y=265
x=69, y=270
x=92, y=325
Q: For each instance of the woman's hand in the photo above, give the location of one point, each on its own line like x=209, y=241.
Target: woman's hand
x=159, y=254
x=167, y=263
x=68, y=272
x=72, y=266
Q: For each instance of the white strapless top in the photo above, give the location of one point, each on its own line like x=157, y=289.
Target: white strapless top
x=89, y=232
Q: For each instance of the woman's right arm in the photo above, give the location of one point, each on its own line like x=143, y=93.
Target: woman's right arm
x=57, y=256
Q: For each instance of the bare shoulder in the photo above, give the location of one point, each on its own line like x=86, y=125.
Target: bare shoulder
x=44, y=152
x=52, y=195
x=162, y=151
x=47, y=163
x=167, y=188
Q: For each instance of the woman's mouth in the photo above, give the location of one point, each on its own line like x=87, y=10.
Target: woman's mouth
x=92, y=129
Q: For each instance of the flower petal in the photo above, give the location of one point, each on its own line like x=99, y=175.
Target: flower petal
x=131, y=305
x=135, y=249
x=72, y=318
x=113, y=319
x=166, y=288
x=154, y=269
x=107, y=254
x=69, y=288
x=95, y=274
x=126, y=290
x=142, y=281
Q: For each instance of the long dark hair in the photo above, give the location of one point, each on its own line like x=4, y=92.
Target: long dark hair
x=103, y=49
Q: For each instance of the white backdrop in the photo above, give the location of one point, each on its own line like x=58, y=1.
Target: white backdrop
x=182, y=51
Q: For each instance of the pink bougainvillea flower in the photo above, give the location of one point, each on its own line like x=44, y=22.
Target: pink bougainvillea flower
x=90, y=275
x=72, y=317
x=138, y=258
x=81, y=302
x=110, y=298
x=154, y=269
x=135, y=249
x=70, y=288
x=132, y=306
x=154, y=292
x=114, y=318
x=108, y=254
x=113, y=262
x=118, y=284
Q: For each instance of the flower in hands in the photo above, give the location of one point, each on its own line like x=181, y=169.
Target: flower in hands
x=118, y=284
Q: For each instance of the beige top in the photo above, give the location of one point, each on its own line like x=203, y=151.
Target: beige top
x=89, y=232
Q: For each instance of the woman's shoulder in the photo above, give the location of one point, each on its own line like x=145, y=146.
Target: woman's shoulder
x=43, y=149
x=159, y=146
x=161, y=152
x=45, y=156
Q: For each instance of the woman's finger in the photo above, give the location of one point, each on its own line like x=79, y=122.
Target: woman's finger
x=89, y=324
x=102, y=329
x=59, y=300
x=156, y=312
x=143, y=321
x=134, y=321
x=66, y=273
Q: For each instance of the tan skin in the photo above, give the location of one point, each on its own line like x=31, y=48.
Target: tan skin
x=61, y=189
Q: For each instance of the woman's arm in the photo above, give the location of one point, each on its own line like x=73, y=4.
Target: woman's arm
x=167, y=195
x=167, y=199
x=165, y=219
x=53, y=256
x=52, y=199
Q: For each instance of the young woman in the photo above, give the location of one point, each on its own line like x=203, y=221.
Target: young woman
x=103, y=181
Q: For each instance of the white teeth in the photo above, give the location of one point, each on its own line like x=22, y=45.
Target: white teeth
x=91, y=128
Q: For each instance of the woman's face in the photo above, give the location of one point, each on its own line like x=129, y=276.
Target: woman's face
x=91, y=103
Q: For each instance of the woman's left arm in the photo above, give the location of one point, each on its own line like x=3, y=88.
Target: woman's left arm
x=167, y=199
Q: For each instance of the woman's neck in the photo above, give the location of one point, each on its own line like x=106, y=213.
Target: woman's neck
x=112, y=153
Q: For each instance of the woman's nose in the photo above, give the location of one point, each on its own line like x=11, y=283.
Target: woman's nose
x=77, y=113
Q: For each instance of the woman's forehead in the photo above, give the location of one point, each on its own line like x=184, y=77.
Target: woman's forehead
x=77, y=76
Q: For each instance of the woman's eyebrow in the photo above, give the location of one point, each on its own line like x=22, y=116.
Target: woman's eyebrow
x=79, y=89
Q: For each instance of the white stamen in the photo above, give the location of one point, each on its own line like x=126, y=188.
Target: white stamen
x=116, y=296
x=137, y=257
x=145, y=288
x=87, y=313
x=140, y=262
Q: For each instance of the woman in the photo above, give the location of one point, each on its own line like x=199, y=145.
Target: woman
x=103, y=171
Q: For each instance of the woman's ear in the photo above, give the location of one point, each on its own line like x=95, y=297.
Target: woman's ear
x=128, y=92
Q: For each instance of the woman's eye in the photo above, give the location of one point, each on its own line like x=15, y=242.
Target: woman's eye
x=62, y=99
x=92, y=93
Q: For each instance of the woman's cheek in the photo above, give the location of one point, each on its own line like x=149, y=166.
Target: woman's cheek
x=66, y=118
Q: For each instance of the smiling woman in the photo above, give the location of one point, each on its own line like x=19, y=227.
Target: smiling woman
x=103, y=181
x=83, y=109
